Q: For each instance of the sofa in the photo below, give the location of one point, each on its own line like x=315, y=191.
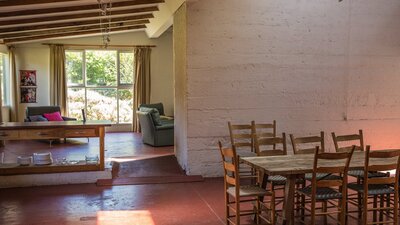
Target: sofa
x=157, y=129
x=32, y=113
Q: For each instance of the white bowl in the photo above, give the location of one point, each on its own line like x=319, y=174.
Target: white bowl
x=24, y=160
x=42, y=156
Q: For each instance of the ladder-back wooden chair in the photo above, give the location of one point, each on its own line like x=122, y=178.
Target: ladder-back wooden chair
x=328, y=190
x=345, y=142
x=272, y=146
x=379, y=188
x=307, y=145
x=237, y=195
x=241, y=136
x=264, y=130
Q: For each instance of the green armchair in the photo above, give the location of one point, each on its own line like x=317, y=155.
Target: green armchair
x=155, y=131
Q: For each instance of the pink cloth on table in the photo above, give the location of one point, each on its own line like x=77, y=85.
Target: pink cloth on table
x=55, y=116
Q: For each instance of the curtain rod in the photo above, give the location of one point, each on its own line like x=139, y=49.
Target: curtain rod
x=101, y=46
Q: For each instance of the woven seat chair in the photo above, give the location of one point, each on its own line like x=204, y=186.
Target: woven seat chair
x=379, y=188
x=327, y=190
x=344, y=143
x=241, y=137
x=273, y=146
x=236, y=195
x=306, y=145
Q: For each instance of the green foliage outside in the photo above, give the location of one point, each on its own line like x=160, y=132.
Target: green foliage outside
x=101, y=70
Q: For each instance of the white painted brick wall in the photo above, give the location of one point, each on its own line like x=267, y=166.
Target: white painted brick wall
x=310, y=65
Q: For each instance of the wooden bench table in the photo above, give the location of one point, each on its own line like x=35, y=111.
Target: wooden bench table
x=53, y=130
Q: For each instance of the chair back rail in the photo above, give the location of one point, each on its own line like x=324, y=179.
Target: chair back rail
x=301, y=145
x=342, y=170
x=340, y=141
x=241, y=136
x=371, y=167
x=268, y=146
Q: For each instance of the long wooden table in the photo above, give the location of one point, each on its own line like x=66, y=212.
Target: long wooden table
x=54, y=130
x=292, y=167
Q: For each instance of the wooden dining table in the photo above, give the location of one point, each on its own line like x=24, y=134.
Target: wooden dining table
x=293, y=167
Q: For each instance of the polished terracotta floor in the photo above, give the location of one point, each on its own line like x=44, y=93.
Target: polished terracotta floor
x=176, y=203
x=194, y=203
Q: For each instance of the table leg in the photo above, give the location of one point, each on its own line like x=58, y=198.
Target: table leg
x=288, y=210
x=101, y=143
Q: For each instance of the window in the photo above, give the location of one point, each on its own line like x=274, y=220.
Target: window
x=101, y=82
x=5, y=81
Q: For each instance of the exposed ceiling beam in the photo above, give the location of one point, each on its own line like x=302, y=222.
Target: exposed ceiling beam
x=77, y=16
x=72, y=24
x=71, y=29
x=98, y=31
x=76, y=8
x=30, y=2
x=163, y=18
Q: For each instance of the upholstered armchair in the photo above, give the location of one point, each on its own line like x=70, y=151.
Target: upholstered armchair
x=157, y=130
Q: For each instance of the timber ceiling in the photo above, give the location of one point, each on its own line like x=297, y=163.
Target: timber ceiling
x=35, y=20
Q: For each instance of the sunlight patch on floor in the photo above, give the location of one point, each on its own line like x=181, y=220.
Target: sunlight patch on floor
x=138, y=217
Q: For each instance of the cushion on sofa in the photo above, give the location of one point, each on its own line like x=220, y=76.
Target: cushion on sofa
x=55, y=116
x=37, y=118
x=155, y=115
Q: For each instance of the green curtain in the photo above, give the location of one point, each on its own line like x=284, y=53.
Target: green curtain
x=14, y=85
x=142, y=87
x=58, y=82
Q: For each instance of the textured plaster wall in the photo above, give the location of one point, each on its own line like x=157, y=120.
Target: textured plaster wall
x=180, y=81
x=36, y=56
x=310, y=65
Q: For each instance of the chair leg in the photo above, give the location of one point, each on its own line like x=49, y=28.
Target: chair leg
x=312, y=212
x=227, y=214
x=273, y=213
x=343, y=211
x=365, y=209
x=375, y=205
x=237, y=218
x=258, y=210
x=396, y=208
x=325, y=209
x=382, y=204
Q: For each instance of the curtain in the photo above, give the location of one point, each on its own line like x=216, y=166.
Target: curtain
x=14, y=85
x=58, y=83
x=142, y=87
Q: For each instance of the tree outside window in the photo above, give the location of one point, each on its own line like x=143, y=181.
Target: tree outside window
x=101, y=82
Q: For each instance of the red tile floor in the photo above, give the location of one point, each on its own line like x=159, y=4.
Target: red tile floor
x=151, y=204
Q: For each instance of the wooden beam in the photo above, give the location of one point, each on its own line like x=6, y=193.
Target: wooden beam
x=76, y=16
x=30, y=2
x=71, y=29
x=115, y=5
x=42, y=37
x=72, y=24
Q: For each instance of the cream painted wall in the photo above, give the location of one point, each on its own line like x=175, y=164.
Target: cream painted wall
x=35, y=56
x=310, y=65
x=3, y=48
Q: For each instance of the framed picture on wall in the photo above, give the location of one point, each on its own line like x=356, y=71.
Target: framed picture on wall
x=27, y=78
x=28, y=94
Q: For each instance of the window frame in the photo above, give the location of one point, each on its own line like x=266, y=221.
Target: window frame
x=6, y=83
x=118, y=86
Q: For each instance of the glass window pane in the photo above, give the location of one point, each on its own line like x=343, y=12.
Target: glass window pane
x=2, y=77
x=102, y=104
x=101, y=68
x=73, y=67
x=125, y=105
x=76, y=102
x=126, y=67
